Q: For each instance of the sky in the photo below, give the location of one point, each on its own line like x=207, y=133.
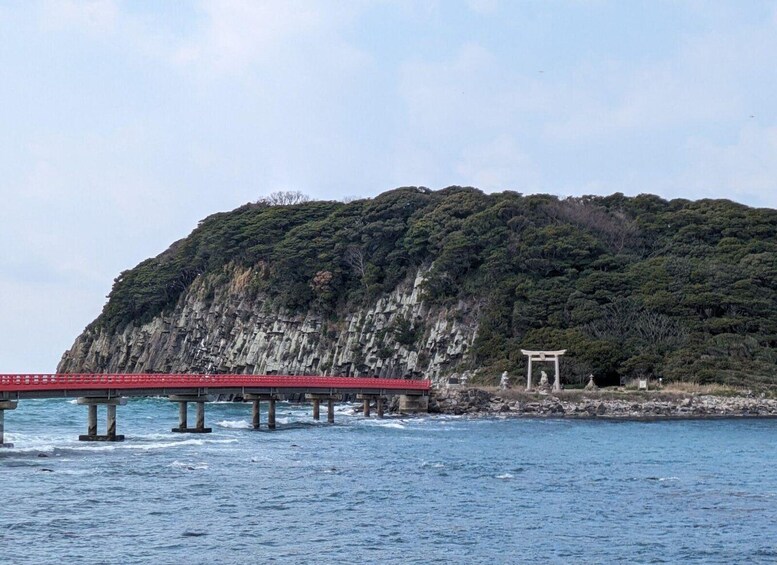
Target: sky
x=122, y=124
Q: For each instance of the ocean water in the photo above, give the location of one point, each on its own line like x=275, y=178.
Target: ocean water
x=430, y=489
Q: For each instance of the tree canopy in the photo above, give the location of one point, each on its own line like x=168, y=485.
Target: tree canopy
x=631, y=286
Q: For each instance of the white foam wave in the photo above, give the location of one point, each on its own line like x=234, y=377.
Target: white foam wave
x=504, y=476
x=432, y=465
x=379, y=423
x=150, y=437
x=394, y=425
x=188, y=466
x=143, y=443
x=150, y=446
x=234, y=424
x=26, y=443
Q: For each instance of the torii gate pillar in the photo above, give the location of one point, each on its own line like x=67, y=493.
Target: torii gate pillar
x=544, y=356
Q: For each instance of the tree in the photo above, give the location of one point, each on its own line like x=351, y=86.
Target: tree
x=285, y=198
x=354, y=258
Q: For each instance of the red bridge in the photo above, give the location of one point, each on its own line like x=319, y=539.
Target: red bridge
x=112, y=390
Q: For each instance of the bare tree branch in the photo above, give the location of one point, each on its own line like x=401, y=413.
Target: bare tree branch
x=354, y=258
x=285, y=198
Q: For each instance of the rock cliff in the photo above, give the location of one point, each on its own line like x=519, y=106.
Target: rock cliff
x=221, y=327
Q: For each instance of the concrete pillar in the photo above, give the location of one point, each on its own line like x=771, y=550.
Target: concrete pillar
x=5, y=405
x=317, y=397
x=379, y=402
x=316, y=409
x=91, y=427
x=256, y=415
x=413, y=403
x=111, y=421
x=200, y=416
x=528, y=377
x=271, y=415
x=256, y=398
x=182, y=415
x=557, y=382
x=183, y=401
x=366, y=402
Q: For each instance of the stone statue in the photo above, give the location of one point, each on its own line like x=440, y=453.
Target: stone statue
x=543, y=386
x=504, y=381
x=591, y=384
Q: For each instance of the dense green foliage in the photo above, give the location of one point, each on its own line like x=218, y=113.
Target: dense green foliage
x=630, y=286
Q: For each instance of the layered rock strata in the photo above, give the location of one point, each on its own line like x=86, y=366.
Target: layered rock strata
x=224, y=328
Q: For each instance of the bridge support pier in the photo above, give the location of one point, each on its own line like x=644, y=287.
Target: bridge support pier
x=91, y=420
x=183, y=405
x=183, y=415
x=367, y=399
x=413, y=404
x=256, y=399
x=316, y=409
x=91, y=429
x=330, y=406
x=271, y=414
x=5, y=405
x=256, y=415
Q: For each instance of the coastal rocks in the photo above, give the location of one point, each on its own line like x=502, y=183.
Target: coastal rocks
x=219, y=327
x=593, y=405
x=463, y=401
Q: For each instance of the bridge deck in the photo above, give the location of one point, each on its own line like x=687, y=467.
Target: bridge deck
x=17, y=386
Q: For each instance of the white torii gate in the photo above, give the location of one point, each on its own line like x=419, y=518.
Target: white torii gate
x=544, y=356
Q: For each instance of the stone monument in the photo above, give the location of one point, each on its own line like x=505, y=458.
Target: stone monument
x=544, y=356
x=543, y=386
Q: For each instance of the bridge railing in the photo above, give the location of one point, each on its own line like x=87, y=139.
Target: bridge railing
x=84, y=381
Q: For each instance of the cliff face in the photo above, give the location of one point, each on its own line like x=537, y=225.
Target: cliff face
x=220, y=328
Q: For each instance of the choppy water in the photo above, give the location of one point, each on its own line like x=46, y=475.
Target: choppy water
x=413, y=490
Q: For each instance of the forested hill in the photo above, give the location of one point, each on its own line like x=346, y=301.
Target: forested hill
x=628, y=285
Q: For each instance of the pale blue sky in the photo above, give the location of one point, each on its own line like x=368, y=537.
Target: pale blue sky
x=124, y=123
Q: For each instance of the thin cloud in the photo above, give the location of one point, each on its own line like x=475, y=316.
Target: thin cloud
x=499, y=165
x=92, y=17
x=235, y=35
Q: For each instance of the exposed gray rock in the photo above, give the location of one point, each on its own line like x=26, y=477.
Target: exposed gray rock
x=219, y=327
x=476, y=401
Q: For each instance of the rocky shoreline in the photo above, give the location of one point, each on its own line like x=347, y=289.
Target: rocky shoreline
x=576, y=404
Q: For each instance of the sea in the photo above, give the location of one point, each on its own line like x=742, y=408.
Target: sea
x=426, y=489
